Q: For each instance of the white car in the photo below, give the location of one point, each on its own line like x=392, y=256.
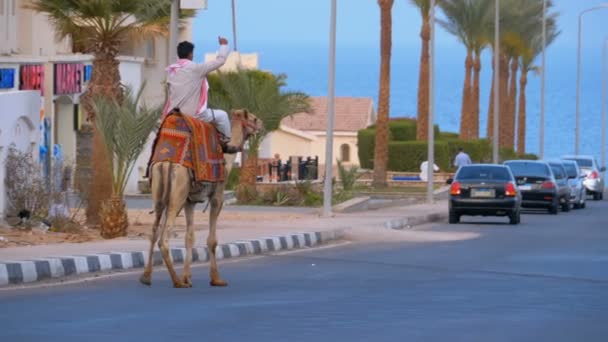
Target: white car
x=578, y=191
x=594, y=175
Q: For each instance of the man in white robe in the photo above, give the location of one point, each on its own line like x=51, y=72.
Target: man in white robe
x=188, y=89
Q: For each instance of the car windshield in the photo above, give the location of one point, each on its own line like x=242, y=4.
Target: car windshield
x=558, y=171
x=528, y=169
x=483, y=173
x=571, y=170
x=582, y=162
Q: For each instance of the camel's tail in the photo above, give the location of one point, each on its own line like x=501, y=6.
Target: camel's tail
x=161, y=185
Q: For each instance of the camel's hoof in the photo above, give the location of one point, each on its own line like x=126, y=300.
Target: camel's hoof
x=181, y=286
x=219, y=283
x=187, y=281
x=145, y=280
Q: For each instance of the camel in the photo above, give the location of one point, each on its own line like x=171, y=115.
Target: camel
x=171, y=186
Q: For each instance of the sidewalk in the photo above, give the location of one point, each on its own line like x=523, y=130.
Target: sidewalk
x=236, y=239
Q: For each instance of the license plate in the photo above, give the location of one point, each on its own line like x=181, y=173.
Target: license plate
x=525, y=187
x=483, y=193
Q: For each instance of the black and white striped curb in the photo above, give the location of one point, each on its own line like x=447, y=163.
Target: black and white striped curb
x=19, y=272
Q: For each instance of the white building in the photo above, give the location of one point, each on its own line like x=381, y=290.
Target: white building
x=31, y=59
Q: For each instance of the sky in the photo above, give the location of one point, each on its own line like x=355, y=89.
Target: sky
x=287, y=22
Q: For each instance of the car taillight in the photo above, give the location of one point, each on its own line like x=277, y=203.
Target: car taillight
x=593, y=175
x=510, y=190
x=548, y=185
x=455, y=189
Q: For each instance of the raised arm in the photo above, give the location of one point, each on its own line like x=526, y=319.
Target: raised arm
x=220, y=60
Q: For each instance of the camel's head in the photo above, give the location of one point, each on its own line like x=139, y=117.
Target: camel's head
x=250, y=123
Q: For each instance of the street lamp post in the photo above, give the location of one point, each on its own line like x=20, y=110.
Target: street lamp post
x=604, y=91
x=578, y=75
x=495, y=150
x=329, y=143
x=431, y=128
x=541, y=147
x=174, y=30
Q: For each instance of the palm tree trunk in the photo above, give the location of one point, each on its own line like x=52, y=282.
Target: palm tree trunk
x=465, y=113
x=114, y=219
x=423, y=82
x=512, y=99
x=382, y=133
x=475, y=97
x=490, y=126
x=105, y=81
x=504, y=100
x=521, y=118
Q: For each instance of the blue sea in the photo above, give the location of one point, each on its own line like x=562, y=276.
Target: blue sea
x=357, y=72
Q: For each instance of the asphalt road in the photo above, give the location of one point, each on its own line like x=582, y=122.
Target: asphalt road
x=544, y=280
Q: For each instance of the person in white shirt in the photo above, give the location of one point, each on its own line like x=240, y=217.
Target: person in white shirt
x=424, y=170
x=462, y=159
x=188, y=89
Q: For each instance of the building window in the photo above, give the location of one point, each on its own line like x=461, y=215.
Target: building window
x=345, y=153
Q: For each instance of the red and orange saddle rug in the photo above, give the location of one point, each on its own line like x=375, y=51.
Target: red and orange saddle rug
x=191, y=143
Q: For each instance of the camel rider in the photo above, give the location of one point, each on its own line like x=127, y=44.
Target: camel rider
x=188, y=89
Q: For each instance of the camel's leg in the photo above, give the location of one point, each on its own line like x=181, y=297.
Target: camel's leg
x=189, y=211
x=160, y=179
x=146, y=278
x=180, y=185
x=217, y=201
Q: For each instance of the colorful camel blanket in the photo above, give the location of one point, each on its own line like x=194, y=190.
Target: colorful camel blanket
x=192, y=143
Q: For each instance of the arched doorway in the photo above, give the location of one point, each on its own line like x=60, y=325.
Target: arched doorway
x=345, y=153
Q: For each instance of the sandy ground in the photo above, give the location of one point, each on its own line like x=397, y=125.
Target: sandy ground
x=140, y=227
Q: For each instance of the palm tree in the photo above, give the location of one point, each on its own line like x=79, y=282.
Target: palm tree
x=124, y=128
x=260, y=93
x=100, y=26
x=522, y=16
x=466, y=19
x=382, y=132
x=424, y=78
x=533, y=48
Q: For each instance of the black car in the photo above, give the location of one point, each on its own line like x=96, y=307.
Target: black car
x=484, y=190
x=542, y=185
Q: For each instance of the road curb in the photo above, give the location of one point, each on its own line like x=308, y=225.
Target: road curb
x=41, y=269
x=408, y=222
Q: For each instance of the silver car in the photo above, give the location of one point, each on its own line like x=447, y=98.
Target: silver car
x=594, y=175
x=578, y=191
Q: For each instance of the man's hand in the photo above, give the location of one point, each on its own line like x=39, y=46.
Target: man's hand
x=222, y=40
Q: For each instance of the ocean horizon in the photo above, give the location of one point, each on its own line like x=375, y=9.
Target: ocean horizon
x=357, y=69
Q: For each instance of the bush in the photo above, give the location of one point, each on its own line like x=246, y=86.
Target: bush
x=402, y=130
x=233, y=178
x=407, y=156
x=480, y=151
x=348, y=176
x=448, y=135
x=366, y=144
x=26, y=189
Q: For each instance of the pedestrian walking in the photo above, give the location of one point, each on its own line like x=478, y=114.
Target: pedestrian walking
x=462, y=159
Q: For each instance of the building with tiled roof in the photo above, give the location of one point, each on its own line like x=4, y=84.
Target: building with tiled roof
x=304, y=134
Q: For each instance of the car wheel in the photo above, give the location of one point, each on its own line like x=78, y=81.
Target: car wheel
x=566, y=206
x=554, y=208
x=515, y=218
x=576, y=206
x=584, y=205
x=454, y=218
x=596, y=196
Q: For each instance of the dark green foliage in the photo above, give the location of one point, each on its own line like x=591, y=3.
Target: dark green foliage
x=366, y=141
x=233, y=178
x=408, y=155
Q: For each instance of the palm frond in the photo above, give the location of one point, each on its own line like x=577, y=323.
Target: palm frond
x=125, y=128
